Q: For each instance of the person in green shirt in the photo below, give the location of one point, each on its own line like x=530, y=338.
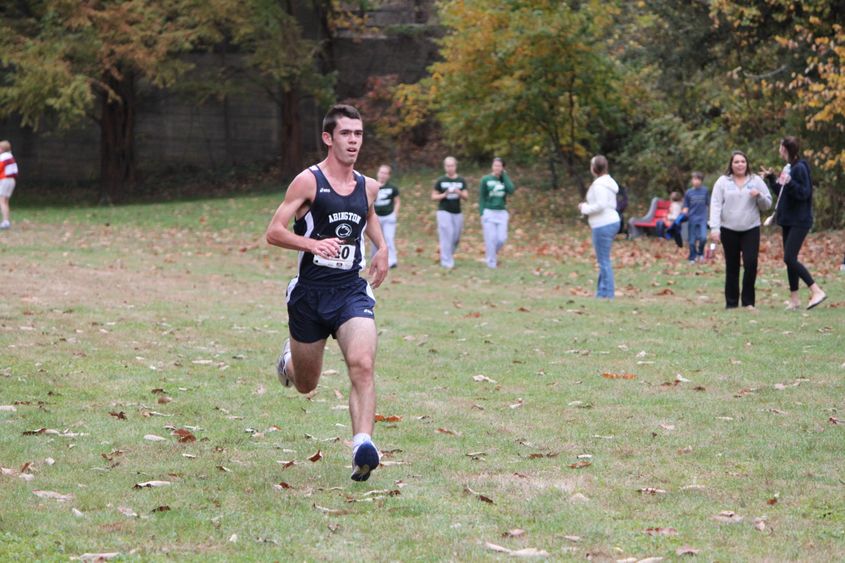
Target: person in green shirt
x=492, y=203
x=448, y=191
x=387, y=210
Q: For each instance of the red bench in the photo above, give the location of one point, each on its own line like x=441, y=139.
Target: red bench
x=657, y=212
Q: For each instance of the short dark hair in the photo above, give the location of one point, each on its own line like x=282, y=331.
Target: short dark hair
x=599, y=164
x=698, y=175
x=730, y=170
x=791, y=145
x=499, y=159
x=337, y=111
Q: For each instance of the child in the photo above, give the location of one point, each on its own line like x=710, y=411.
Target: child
x=668, y=229
x=696, y=208
x=8, y=173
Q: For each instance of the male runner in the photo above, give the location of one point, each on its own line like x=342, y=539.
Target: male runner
x=332, y=205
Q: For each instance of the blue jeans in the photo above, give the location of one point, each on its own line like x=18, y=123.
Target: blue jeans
x=697, y=239
x=602, y=239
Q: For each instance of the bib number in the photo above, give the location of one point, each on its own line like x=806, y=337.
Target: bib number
x=343, y=261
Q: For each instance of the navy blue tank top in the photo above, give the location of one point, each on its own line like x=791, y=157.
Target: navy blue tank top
x=334, y=216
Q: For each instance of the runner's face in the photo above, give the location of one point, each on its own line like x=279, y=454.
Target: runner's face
x=451, y=167
x=346, y=141
x=739, y=165
x=383, y=175
x=497, y=167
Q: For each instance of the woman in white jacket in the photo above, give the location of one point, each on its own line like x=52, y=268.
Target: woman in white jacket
x=600, y=209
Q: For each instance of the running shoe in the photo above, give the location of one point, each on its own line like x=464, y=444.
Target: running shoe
x=281, y=364
x=365, y=458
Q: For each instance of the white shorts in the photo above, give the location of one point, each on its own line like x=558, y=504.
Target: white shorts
x=7, y=186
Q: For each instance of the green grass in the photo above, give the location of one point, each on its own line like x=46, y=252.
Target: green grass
x=103, y=305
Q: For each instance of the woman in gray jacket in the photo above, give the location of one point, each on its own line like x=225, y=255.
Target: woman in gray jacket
x=738, y=197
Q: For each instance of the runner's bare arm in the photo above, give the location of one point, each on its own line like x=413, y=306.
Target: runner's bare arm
x=378, y=265
x=298, y=197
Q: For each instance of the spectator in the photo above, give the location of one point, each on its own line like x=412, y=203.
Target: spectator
x=794, y=214
x=696, y=202
x=738, y=197
x=600, y=209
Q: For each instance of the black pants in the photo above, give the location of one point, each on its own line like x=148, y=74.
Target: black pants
x=744, y=244
x=793, y=238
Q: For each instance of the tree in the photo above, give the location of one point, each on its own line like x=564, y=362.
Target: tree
x=528, y=79
x=65, y=60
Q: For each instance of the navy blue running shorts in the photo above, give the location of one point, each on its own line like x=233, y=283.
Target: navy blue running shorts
x=316, y=312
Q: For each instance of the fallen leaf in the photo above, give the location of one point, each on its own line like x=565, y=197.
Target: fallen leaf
x=652, y=491
x=834, y=420
x=661, y=531
x=681, y=379
x=580, y=464
x=483, y=378
x=154, y=438
x=233, y=538
x=224, y=469
x=184, y=436
x=479, y=496
x=164, y=399
x=573, y=539
x=759, y=524
x=8, y=408
x=338, y=395
x=667, y=427
x=316, y=457
x=118, y=415
x=525, y=552
x=330, y=372
x=151, y=484
x=447, y=431
x=330, y=511
x=687, y=550
x=286, y=464
x=128, y=512
x=282, y=486
x=98, y=556
x=158, y=391
x=390, y=418
x=772, y=501
x=162, y=508
x=517, y=404
x=515, y=533
x=76, y=512
x=53, y=495
x=728, y=517
x=618, y=376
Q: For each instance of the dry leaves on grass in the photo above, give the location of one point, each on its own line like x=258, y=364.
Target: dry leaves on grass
x=661, y=531
x=524, y=552
x=447, y=432
x=151, y=484
x=515, y=533
x=651, y=491
x=97, y=556
x=479, y=496
x=687, y=550
x=389, y=418
x=283, y=486
x=184, y=436
x=608, y=375
x=53, y=495
x=154, y=438
x=580, y=464
x=480, y=378
x=318, y=455
x=118, y=415
x=728, y=517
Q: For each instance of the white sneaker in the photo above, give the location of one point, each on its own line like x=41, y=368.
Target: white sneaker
x=5, y=225
x=282, y=364
x=365, y=458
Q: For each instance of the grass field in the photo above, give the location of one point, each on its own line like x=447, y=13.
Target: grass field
x=652, y=426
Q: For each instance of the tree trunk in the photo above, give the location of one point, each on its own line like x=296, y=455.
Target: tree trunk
x=117, y=138
x=553, y=171
x=570, y=156
x=291, y=141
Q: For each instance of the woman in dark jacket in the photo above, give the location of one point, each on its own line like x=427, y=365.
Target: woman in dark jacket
x=795, y=216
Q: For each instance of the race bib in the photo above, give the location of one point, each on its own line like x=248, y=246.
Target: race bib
x=343, y=261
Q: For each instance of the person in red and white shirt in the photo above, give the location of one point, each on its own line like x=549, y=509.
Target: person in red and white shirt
x=8, y=175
